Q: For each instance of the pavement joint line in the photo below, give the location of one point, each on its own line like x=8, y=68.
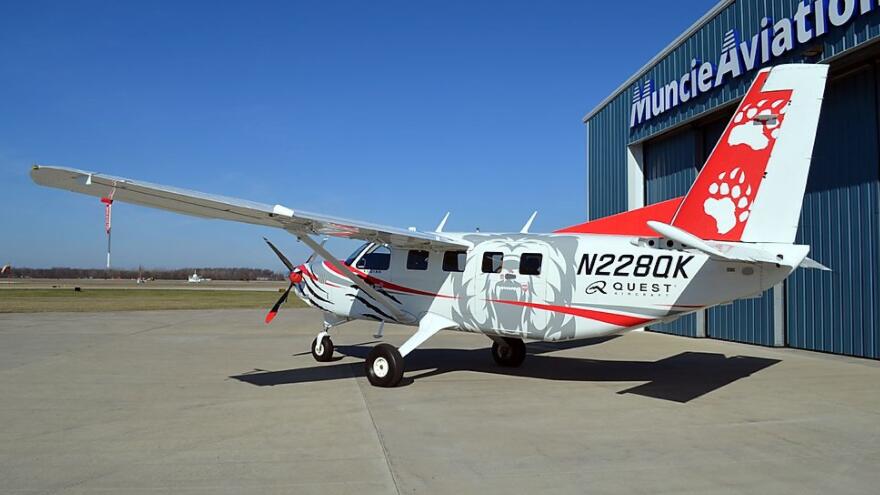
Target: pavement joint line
x=376, y=430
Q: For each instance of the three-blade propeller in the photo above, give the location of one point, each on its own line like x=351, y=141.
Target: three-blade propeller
x=294, y=275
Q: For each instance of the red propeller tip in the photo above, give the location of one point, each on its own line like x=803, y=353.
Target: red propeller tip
x=270, y=316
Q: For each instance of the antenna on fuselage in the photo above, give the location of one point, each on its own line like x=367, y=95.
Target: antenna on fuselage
x=442, y=223
x=528, y=225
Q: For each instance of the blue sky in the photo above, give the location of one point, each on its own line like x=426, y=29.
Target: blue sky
x=391, y=112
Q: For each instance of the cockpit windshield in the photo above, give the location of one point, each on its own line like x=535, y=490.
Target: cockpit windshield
x=357, y=252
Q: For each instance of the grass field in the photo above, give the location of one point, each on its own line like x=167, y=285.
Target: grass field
x=99, y=300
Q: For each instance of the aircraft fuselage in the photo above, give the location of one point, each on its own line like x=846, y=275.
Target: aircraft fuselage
x=547, y=287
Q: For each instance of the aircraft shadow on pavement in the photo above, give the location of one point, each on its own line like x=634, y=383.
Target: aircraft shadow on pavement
x=679, y=378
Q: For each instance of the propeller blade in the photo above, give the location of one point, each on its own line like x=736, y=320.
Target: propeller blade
x=274, y=311
x=281, y=256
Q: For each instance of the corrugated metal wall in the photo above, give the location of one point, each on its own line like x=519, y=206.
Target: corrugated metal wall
x=606, y=160
x=838, y=311
x=835, y=312
x=670, y=165
x=746, y=320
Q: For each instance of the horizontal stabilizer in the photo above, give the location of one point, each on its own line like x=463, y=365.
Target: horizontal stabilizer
x=683, y=237
x=813, y=264
x=777, y=253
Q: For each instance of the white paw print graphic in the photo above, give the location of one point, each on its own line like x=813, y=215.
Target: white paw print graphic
x=757, y=133
x=729, y=200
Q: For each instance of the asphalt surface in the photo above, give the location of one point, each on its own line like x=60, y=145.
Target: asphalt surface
x=217, y=402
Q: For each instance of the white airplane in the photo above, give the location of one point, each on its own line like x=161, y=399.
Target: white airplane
x=195, y=278
x=731, y=237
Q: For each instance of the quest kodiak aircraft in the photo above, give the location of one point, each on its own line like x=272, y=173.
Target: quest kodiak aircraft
x=731, y=237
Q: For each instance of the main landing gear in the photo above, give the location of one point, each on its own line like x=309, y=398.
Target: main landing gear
x=384, y=366
x=508, y=351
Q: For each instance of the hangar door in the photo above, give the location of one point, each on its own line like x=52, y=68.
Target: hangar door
x=838, y=311
x=670, y=168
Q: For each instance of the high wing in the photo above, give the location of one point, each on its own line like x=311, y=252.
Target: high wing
x=213, y=206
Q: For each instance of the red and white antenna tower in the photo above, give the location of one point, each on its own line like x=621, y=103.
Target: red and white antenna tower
x=108, y=211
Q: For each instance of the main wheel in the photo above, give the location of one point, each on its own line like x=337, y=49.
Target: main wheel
x=511, y=352
x=384, y=366
x=322, y=351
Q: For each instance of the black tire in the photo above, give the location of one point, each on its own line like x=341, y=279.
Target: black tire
x=326, y=350
x=384, y=366
x=511, y=353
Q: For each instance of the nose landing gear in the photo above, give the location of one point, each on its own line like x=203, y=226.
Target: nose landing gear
x=322, y=348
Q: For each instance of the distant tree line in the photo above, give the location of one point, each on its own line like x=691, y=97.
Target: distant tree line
x=175, y=274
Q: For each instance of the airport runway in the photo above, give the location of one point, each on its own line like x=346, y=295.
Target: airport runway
x=217, y=402
x=119, y=283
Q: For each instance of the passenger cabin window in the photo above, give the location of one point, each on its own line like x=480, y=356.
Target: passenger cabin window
x=377, y=259
x=530, y=263
x=492, y=262
x=453, y=261
x=417, y=260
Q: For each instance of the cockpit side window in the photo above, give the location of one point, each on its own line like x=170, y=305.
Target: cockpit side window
x=379, y=258
x=357, y=252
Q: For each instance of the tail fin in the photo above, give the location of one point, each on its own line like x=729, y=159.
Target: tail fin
x=751, y=188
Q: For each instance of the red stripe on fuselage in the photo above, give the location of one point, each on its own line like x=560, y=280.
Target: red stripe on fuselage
x=308, y=272
x=385, y=284
x=612, y=318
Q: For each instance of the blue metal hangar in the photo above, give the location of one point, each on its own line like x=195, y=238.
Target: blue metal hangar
x=646, y=142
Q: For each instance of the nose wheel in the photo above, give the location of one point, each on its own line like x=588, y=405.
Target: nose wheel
x=322, y=348
x=508, y=351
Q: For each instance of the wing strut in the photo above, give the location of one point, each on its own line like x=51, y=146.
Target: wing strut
x=379, y=297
